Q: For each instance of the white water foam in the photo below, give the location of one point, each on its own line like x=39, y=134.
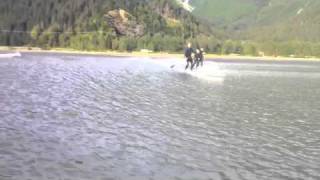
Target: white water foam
x=210, y=71
x=10, y=55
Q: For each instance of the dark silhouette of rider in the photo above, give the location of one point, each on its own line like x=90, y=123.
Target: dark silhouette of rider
x=197, y=58
x=201, y=56
x=188, y=54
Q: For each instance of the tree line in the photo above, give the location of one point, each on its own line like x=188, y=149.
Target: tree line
x=107, y=40
x=80, y=24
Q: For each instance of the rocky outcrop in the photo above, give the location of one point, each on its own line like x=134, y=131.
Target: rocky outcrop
x=185, y=4
x=124, y=23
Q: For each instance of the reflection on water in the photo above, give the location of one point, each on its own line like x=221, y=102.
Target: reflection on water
x=80, y=117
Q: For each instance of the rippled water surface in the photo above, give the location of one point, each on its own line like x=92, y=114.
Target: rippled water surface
x=85, y=117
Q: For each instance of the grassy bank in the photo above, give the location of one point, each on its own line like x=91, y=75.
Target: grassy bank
x=151, y=54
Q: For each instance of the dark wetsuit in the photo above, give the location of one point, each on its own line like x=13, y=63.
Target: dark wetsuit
x=188, y=54
x=197, y=59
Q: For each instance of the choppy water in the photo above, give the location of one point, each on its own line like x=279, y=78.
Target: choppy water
x=81, y=117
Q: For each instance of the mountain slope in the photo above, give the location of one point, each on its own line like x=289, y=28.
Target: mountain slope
x=278, y=20
x=227, y=11
x=86, y=23
x=288, y=20
x=185, y=4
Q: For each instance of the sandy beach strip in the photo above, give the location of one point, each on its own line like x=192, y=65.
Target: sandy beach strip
x=7, y=49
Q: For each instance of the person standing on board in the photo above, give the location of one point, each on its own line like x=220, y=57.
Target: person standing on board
x=188, y=54
x=201, y=56
x=197, y=58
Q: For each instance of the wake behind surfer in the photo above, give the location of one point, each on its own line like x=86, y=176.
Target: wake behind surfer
x=188, y=54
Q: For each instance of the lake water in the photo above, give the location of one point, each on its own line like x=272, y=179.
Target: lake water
x=92, y=117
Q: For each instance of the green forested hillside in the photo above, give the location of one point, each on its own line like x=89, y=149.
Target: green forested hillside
x=226, y=11
x=287, y=27
x=260, y=19
x=83, y=24
x=288, y=20
x=274, y=27
x=250, y=27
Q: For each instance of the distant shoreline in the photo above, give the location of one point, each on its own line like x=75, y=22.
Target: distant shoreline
x=151, y=54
